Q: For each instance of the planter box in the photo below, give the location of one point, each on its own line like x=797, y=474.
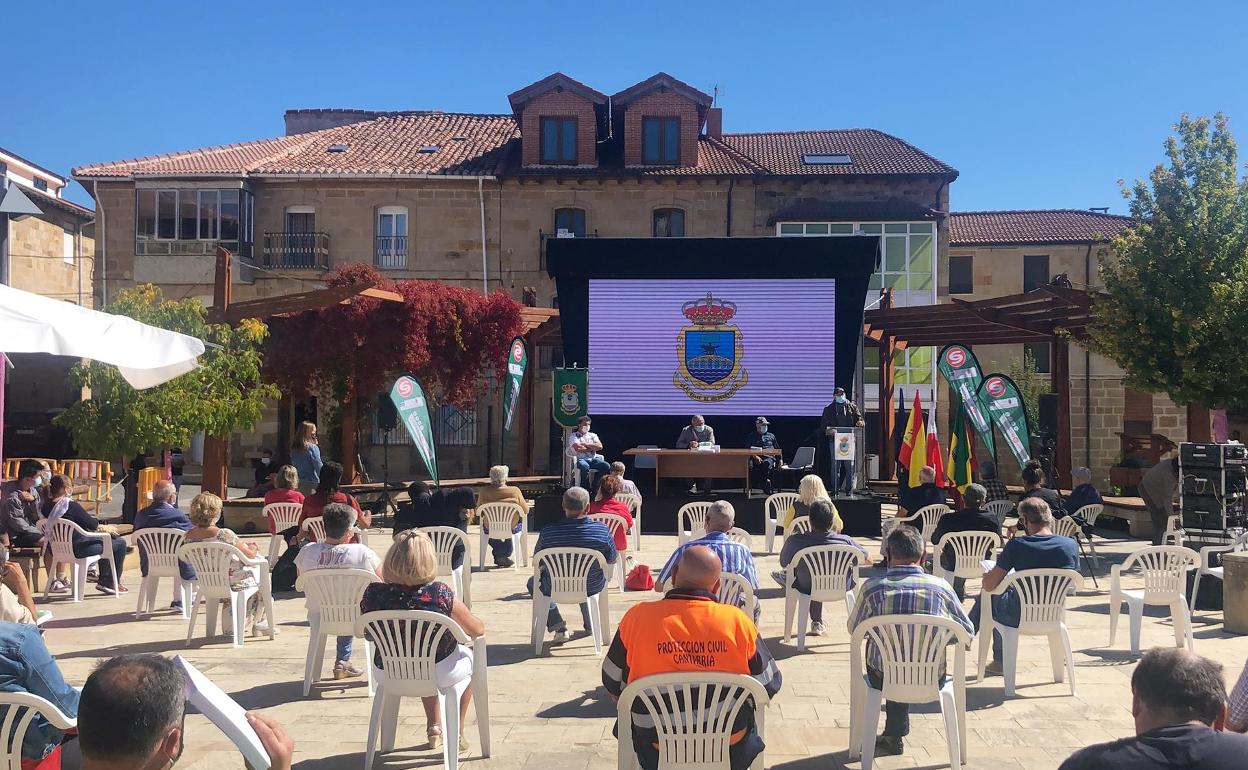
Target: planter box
x=1126, y=479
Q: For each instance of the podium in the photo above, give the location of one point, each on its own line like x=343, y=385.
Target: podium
x=858, y=467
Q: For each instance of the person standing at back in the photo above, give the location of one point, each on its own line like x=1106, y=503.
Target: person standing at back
x=1157, y=488
x=841, y=413
x=305, y=455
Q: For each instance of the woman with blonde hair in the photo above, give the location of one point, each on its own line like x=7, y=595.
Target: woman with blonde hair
x=410, y=572
x=305, y=455
x=809, y=490
x=204, y=513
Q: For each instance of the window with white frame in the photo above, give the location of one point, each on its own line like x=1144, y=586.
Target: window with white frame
x=453, y=426
x=392, y=237
x=67, y=246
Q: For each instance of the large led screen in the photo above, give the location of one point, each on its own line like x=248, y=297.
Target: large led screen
x=727, y=347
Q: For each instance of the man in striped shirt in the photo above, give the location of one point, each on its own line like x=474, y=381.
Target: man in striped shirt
x=574, y=531
x=735, y=557
x=904, y=590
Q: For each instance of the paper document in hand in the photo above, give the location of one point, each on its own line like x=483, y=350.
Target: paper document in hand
x=224, y=712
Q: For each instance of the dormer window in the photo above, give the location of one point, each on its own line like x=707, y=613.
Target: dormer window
x=660, y=140
x=558, y=137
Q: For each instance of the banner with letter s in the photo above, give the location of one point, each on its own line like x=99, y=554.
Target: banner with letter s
x=409, y=399
x=960, y=368
x=571, y=397
x=517, y=362
x=1001, y=397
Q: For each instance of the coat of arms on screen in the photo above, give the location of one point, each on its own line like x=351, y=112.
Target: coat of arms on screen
x=709, y=351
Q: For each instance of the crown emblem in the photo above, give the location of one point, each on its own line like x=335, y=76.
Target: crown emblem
x=569, y=388
x=708, y=312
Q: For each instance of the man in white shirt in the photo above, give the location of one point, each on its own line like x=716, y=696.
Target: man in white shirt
x=335, y=552
x=584, y=447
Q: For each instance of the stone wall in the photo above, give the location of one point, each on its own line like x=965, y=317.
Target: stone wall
x=37, y=252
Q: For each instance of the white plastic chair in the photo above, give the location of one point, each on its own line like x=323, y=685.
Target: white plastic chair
x=21, y=708
x=1068, y=527
x=831, y=567
x=407, y=641
x=634, y=508
x=1174, y=534
x=61, y=542
x=737, y=591
x=912, y=652
x=444, y=541
x=316, y=526
x=160, y=546
x=1042, y=597
x=615, y=524
x=281, y=516
x=211, y=561
x=692, y=520
x=690, y=737
x=500, y=519
x=333, y=597
x=1204, y=568
x=738, y=535
x=774, y=507
x=925, y=520
x=1090, y=513
x=1000, y=509
x=969, y=549
x=568, y=571
x=798, y=525
x=1165, y=583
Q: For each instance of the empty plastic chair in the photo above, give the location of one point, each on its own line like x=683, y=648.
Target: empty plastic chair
x=691, y=519
x=774, y=509
x=1164, y=568
x=445, y=539
x=925, y=520
x=1000, y=510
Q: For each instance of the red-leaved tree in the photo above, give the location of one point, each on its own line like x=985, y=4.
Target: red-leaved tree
x=445, y=336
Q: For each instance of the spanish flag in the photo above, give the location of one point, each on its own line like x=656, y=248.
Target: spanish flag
x=914, y=445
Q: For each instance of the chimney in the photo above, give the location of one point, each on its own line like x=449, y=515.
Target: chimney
x=715, y=123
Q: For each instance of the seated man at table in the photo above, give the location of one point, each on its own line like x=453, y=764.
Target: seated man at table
x=762, y=466
x=675, y=634
x=972, y=518
x=1038, y=549
x=574, y=530
x=735, y=558
x=696, y=434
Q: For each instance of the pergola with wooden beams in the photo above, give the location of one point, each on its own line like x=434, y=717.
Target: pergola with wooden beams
x=1052, y=313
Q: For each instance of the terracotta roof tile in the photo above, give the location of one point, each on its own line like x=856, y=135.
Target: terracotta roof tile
x=970, y=228
x=869, y=151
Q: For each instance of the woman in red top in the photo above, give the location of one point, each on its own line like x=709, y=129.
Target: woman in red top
x=608, y=488
x=326, y=493
x=286, y=490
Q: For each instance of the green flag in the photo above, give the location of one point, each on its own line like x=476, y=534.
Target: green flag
x=960, y=368
x=958, y=468
x=571, y=397
x=517, y=362
x=1004, y=403
x=409, y=400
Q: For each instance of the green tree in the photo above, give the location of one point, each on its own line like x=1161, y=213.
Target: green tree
x=1177, y=300
x=223, y=394
x=1031, y=384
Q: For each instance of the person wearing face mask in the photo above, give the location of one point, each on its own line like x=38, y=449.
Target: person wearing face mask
x=697, y=433
x=585, y=448
x=761, y=466
x=19, y=511
x=841, y=413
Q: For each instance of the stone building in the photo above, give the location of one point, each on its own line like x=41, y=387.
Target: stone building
x=472, y=198
x=50, y=253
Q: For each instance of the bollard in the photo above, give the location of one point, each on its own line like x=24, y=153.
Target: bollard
x=1235, y=592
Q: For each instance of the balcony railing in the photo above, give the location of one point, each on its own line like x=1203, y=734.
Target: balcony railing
x=392, y=252
x=296, y=250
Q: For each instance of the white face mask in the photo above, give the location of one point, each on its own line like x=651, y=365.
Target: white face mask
x=266, y=460
x=841, y=399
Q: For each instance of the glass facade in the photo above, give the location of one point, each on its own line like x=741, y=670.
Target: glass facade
x=193, y=221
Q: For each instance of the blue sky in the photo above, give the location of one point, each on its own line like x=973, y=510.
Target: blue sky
x=1036, y=104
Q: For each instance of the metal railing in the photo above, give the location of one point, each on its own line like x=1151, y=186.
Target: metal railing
x=296, y=250
x=391, y=252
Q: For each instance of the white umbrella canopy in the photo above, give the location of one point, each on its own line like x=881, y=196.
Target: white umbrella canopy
x=145, y=355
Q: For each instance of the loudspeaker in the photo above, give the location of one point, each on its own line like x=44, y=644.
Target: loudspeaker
x=387, y=415
x=1047, y=414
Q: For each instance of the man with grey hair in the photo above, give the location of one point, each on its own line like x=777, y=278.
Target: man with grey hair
x=697, y=433
x=905, y=589
x=1083, y=493
x=627, y=487
x=1039, y=548
x=736, y=557
x=972, y=518
x=925, y=494
x=574, y=530
x=163, y=514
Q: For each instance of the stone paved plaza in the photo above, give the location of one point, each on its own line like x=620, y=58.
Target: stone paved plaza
x=550, y=713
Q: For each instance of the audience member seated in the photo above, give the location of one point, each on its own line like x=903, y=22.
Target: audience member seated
x=1237, y=705
x=608, y=488
x=574, y=531
x=499, y=491
x=1083, y=493
x=972, y=518
x=263, y=467
x=326, y=493
x=652, y=639
x=1178, y=700
x=627, y=487
x=734, y=558
x=61, y=505
x=19, y=511
x=410, y=573
x=810, y=489
x=994, y=486
x=285, y=490
x=1038, y=549
x=17, y=604
x=1034, y=486
x=27, y=666
x=823, y=531
x=162, y=514
x=762, y=466
x=905, y=589
x=132, y=717
x=925, y=494
x=585, y=448
x=204, y=512
x=337, y=552
x=443, y=507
